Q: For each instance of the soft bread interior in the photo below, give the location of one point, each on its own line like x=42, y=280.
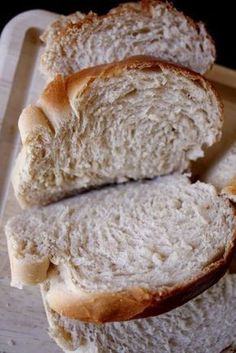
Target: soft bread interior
x=154, y=28
x=131, y=124
x=141, y=234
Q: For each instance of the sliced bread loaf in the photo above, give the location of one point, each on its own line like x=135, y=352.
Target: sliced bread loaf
x=149, y=27
x=133, y=250
x=204, y=325
x=137, y=118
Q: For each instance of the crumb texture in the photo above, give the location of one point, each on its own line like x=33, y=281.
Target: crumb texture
x=79, y=41
x=140, y=234
x=131, y=125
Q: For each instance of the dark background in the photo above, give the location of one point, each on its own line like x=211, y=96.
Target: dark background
x=218, y=15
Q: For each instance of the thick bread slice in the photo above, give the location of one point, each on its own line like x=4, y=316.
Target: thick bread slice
x=134, y=119
x=148, y=27
x=133, y=250
x=204, y=325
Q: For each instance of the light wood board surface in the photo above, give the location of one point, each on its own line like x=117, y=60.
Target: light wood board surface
x=23, y=325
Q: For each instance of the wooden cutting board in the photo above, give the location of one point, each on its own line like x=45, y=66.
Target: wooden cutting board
x=23, y=325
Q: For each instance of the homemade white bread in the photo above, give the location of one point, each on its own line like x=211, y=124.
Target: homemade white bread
x=206, y=324
x=126, y=251
x=134, y=119
x=148, y=27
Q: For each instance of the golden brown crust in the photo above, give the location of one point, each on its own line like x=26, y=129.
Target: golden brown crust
x=133, y=303
x=55, y=93
x=32, y=118
x=139, y=62
x=54, y=101
x=182, y=294
x=99, y=307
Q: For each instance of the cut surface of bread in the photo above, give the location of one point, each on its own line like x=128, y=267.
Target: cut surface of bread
x=132, y=250
x=223, y=173
x=205, y=324
x=134, y=119
x=153, y=28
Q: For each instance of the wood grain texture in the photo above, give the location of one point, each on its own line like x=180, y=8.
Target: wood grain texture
x=23, y=325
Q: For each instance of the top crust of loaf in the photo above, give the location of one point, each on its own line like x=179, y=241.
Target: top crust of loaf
x=59, y=95
x=63, y=31
x=79, y=81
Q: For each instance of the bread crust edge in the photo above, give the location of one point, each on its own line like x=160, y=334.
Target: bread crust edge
x=137, y=302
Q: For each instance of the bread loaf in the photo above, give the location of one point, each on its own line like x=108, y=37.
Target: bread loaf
x=134, y=119
x=126, y=251
x=148, y=27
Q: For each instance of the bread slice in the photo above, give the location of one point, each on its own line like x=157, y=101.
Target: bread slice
x=223, y=173
x=138, y=118
x=148, y=27
x=127, y=251
x=205, y=324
